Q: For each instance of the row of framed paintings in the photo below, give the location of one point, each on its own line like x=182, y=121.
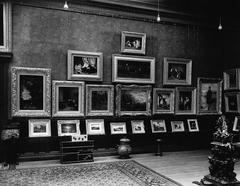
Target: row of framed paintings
x=31, y=97
x=42, y=127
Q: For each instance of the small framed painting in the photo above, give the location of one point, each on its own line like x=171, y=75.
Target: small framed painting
x=231, y=79
x=158, y=126
x=95, y=126
x=163, y=101
x=236, y=124
x=138, y=127
x=232, y=102
x=209, y=98
x=185, y=100
x=87, y=66
x=133, y=100
x=68, y=127
x=118, y=128
x=177, y=126
x=67, y=98
x=133, y=69
x=193, y=125
x=31, y=92
x=100, y=100
x=133, y=42
x=39, y=127
x=177, y=71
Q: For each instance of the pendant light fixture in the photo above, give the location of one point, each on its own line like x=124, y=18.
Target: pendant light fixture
x=220, y=24
x=158, y=16
x=65, y=6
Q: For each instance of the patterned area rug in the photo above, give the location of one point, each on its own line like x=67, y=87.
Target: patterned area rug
x=118, y=173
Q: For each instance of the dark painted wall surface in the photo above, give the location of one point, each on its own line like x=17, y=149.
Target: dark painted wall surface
x=42, y=36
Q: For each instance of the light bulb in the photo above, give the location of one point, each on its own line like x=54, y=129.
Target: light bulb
x=220, y=27
x=65, y=6
x=220, y=24
x=158, y=18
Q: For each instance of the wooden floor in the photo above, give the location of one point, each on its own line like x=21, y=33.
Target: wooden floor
x=183, y=166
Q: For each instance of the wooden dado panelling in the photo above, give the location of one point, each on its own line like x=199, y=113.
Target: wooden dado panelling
x=42, y=36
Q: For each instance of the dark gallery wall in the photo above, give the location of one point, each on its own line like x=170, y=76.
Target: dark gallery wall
x=42, y=35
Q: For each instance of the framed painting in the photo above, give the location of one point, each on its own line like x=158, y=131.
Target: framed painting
x=39, y=128
x=209, y=96
x=118, y=128
x=133, y=100
x=177, y=126
x=95, y=127
x=193, y=125
x=177, y=71
x=231, y=79
x=67, y=98
x=232, y=102
x=138, y=127
x=87, y=66
x=68, y=127
x=99, y=100
x=163, y=101
x=133, y=69
x=133, y=42
x=30, y=92
x=236, y=124
x=5, y=26
x=158, y=126
x=185, y=100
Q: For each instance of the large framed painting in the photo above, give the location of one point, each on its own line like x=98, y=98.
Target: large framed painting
x=99, y=100
x=133, y=42
x=138, y=126
x=87, y=66
x=185, y=100
x=177, y=71
x=68, y=127
x=158, y=126
x=163, y=100
x=232, y=102
x=209, y=96
x=118, y=128
x=231, y=79
x=39, y=127
x=30, y=92
x=5, y=26
x=67, y=98
x=133, y=100
x=95, y=126
x=177, y=126
x=193, y=125
x=133, y=69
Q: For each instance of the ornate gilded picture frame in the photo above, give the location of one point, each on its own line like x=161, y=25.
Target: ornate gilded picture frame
x=39, y=128
x=231, y=79
x=100, y=100
x=68, y=127
x=133, y=69
x=31, y=92
x=232, y=102
x=68, y=98
x=133, y=100
x=85, y=66
x=177, y=71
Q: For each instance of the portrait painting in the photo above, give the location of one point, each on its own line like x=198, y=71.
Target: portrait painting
x=30, y=92
x=158, y=126
x=231, y=79
x=133, y=42
x=209, y=95
x=68, y=127
x=133, y=69
x=39, y=127
x=185, y=100
x=163, y=100
x=236, y=124
x=138, y=126
x=118, y=128
x=67, y=98
x=232, y=102
x=95, y=126
x=177, y=71
x=133, y=100
x=177, y=126
x=99, y=100
x=193, y=125
x=85, y=65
